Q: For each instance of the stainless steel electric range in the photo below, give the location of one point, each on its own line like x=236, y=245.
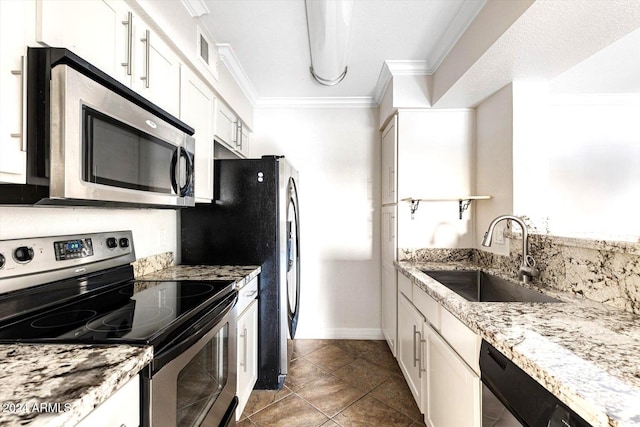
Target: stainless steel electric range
x=81, y=289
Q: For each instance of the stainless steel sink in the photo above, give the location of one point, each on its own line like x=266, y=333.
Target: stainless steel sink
x=483, y=287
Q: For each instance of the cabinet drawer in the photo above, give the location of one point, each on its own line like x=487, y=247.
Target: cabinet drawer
x=427, y=306
x=404, y=286
x=462, y=339
x=247, y=294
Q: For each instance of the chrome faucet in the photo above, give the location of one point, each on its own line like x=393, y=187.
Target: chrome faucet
x=528, y=268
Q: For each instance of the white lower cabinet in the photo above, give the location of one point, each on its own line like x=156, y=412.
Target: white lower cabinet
x=453, y=389
x=247, y=338
x=121, y=409
x=442, y=373
x=410, y=346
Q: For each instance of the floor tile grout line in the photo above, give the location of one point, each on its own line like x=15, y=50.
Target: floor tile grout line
x=389, y=373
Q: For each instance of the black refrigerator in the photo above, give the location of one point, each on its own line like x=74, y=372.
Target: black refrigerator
x=254, y=220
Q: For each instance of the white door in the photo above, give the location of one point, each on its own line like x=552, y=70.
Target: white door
x=389, y=161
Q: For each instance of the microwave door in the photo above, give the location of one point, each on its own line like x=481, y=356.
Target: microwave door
x=112, y=150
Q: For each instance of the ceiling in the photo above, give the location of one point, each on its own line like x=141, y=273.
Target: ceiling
x=269, y=39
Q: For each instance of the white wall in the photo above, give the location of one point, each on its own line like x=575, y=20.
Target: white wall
x=337, y=154
x=494, y=164
x=154, y=230
x=435, y=161
x=594, y=166
x=575, y=163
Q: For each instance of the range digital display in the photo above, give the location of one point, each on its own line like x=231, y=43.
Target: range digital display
x=70, y=249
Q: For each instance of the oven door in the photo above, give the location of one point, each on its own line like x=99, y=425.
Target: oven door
x=197, y=386
x=105, y=148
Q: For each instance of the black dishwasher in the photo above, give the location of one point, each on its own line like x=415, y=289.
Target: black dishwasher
x=506, y=387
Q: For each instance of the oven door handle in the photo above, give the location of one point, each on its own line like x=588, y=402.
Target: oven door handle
x=193, y=333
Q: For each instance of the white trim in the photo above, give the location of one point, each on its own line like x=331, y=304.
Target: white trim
x=196, y=8
x=392, y=68
x=456, y=29
x=342, y=334
x=230, y=60
x=317, y=102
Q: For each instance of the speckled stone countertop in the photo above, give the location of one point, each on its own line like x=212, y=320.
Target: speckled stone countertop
x=586, y=353
x=71, y=379
x=241, y=274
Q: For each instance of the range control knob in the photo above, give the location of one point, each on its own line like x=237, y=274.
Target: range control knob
x=2, y=260
x=112, y=242
x=124, y=242
x=23, y=254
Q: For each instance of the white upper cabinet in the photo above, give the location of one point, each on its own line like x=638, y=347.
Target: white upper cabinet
x=226, y=128
x=156, y=71
x=17, y=27
x=243, y=143
x=389, y=161
x=230, y=131
x=197, y=110
x=110, y=36
x=95, y=30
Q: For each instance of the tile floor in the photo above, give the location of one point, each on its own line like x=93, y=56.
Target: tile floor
x=344, y=383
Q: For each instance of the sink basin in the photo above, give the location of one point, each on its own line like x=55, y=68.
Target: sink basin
x=479, y=286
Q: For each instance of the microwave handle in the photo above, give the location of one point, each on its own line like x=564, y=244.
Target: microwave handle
x=175, y=173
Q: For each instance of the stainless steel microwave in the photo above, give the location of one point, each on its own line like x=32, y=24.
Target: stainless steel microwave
x=93, y=141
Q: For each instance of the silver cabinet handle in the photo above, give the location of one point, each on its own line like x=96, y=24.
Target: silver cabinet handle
x=240, y=135
x=147, y=48
x=252, y=293
x=415, y=359
x=129, y=24
x=235, y=134
x=421, y=368
x=20, y=72
x=244, y=350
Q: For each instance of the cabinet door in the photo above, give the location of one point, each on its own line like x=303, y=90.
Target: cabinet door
x=389, y=156
x=156, y=71
x=196, y=109
x=226, y=129
x=16, y=29
x=95, y=30
x=453, y=389
x=121, y=409
x=410, y=340
x=243, y=143
x=388, y=279
x=247, y=354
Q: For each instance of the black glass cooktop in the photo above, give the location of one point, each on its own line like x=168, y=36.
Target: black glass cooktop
x=131, y=312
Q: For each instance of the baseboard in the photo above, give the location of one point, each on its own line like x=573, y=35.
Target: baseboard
x=342, y=334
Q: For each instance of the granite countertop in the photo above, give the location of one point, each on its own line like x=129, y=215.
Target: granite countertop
x=240, y=274
x=70, y=379
x=585, y=353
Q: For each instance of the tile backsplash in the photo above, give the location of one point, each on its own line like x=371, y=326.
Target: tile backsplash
x=603, y=271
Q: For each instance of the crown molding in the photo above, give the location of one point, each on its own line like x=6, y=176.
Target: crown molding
x=395, y=68
x=317, y=102
x=452, y=34
x=196, y=8
x=230, y=60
